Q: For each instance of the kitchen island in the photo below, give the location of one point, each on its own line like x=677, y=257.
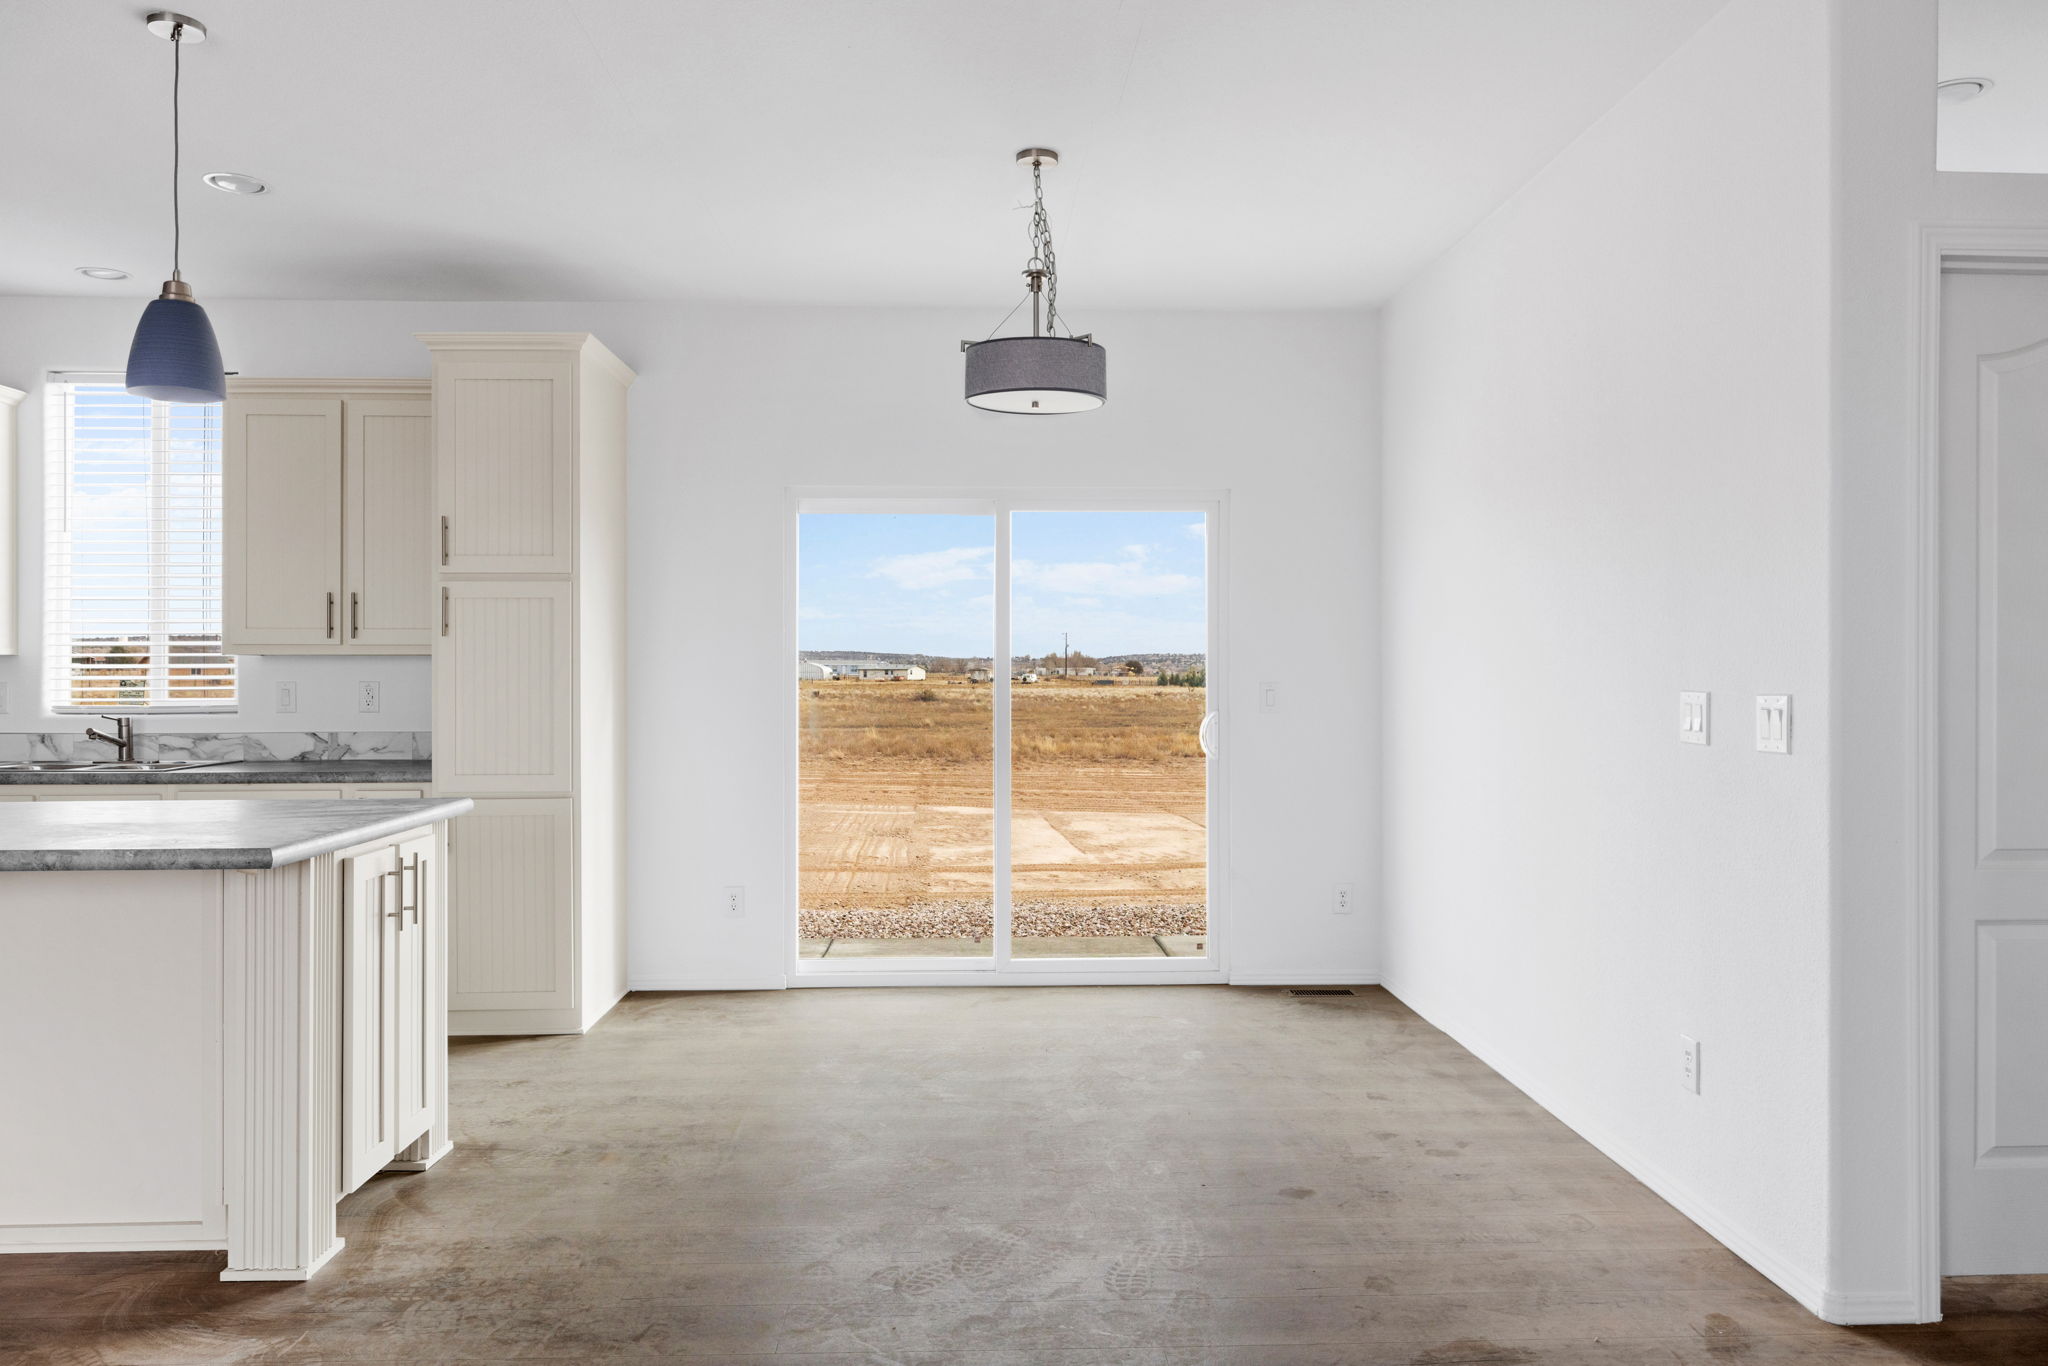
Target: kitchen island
x=216, y=1019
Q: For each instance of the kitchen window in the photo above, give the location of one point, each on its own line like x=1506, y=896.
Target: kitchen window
x=132, y=552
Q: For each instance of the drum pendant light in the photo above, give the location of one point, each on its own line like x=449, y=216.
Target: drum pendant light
x=174, y=357
x=1043, y=373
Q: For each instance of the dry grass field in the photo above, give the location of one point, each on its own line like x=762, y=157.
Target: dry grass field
x=896, y=828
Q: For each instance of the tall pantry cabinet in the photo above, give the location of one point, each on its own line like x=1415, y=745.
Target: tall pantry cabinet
x=529, y=674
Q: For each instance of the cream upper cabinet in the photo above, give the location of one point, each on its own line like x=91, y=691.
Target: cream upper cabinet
x=328, y=534
x=388, y=521
x=505, y=466
x=281, y=532
x=503, y=680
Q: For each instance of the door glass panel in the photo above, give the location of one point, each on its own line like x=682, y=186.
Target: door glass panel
x=896, y=754
x=1109, y=807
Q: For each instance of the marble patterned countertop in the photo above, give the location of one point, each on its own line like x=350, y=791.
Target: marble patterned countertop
x=416, y=771
x=41, y=837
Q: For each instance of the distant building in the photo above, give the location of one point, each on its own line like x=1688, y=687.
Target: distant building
x=888, y=673
x=809, y=670
x=1026, y=677
x=978, y=674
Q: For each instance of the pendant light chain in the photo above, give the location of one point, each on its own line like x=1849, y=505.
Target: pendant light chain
x=177, y=147
x=1041, y=251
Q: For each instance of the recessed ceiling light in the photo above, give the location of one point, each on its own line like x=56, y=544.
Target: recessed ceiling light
x=1962, y=88
x=102, y=273
x=234, y=182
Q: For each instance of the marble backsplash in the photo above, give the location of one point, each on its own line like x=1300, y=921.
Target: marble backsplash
x=231, y=746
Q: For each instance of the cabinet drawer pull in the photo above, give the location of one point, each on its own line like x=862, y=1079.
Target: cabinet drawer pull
x=398, y=914
x=330, y=616
x=355, y=615
x=418, y=868
x=444, y=540
x=444, y=611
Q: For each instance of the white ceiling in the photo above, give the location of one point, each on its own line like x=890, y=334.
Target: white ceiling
x=2006, y=128
x=1244, y=153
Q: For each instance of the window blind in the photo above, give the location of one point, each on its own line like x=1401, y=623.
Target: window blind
x=132, y=549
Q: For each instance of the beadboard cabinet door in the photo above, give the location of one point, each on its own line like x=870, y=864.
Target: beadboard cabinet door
x=412, y=1075
x=503, y=687
x=388, y=522
x=504, y=459
x=281, y=504
x=369, y=1006
x=512, y=905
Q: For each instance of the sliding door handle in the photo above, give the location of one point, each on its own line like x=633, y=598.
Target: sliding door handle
x=1206, y=736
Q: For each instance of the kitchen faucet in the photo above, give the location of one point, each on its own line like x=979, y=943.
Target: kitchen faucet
x=123, y=738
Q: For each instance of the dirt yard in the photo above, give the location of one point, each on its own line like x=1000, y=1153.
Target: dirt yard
x=896, y=827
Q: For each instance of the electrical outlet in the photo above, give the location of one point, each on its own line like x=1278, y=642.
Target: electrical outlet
x=735, y=903
x=1269, y=697
x=3, y=698
x=366, y=695
x=287, y=698
x=1689, y=1063
x=1340, y=903
x=1774, y=724
x=1692, y=718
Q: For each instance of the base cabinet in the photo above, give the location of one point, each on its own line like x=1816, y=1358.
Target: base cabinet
x=394, y=1033
x=512, y=906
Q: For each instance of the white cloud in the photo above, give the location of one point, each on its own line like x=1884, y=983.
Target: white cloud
x=1199, y=530
x=1131, y=577
x=936, y=568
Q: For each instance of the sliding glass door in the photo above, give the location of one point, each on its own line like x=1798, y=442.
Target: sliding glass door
x=1003, y=737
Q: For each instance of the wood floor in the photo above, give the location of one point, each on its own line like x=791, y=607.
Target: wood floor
x=1148, y=1176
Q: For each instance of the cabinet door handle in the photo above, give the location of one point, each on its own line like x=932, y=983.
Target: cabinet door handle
x=399, y=914
x=330, y=616
x=444, y=540
x=418, y=865
x=355, y=614
x=444, y=611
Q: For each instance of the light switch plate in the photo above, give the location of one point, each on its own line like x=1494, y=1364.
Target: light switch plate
x=1774, y=724
x=1692, y=718
x=1269, y=697
x=287, y=698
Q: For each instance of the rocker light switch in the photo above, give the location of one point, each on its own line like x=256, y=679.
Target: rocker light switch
x=1774, y=724
x=1692, y=718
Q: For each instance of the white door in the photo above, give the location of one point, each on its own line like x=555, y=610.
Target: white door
x=388, y=531
x=1994, y=745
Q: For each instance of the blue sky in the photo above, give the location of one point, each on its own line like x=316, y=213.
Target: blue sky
x=918, y=583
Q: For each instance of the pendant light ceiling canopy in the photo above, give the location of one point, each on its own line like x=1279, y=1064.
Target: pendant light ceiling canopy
x=1045, y=372
x=174, y=357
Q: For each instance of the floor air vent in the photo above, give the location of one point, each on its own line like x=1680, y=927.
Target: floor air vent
x=1319, y=991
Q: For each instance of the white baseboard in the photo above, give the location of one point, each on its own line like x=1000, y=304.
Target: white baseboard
x=1780, y=1270
x=774, y=983
x=1304, y=977
x=1864, y=1308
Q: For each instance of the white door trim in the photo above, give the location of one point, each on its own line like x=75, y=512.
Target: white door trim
x=1000, y=970
x=1976, y=248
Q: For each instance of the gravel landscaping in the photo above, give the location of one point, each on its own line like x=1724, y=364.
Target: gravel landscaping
x=1030, y=919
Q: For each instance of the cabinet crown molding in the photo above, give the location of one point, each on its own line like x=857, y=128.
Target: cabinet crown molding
x=325, y=385
x=585, y=343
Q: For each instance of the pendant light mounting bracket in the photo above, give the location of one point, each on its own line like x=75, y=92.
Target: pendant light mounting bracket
x=177, y=28
x=1038, y=156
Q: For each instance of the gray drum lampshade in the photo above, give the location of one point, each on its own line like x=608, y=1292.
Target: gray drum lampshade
x=1037, y=375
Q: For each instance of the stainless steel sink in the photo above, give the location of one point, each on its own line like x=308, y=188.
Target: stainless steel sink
x=107, y=765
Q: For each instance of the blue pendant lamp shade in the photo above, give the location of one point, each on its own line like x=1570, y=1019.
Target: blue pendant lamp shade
x=174, y=358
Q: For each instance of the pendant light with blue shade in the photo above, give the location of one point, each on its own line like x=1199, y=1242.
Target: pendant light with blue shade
x=174, y=357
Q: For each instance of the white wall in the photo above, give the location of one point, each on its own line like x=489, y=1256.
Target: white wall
x=734, y=405
x=1607, y=481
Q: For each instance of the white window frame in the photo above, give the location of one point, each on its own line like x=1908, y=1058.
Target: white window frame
x=59, y=628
